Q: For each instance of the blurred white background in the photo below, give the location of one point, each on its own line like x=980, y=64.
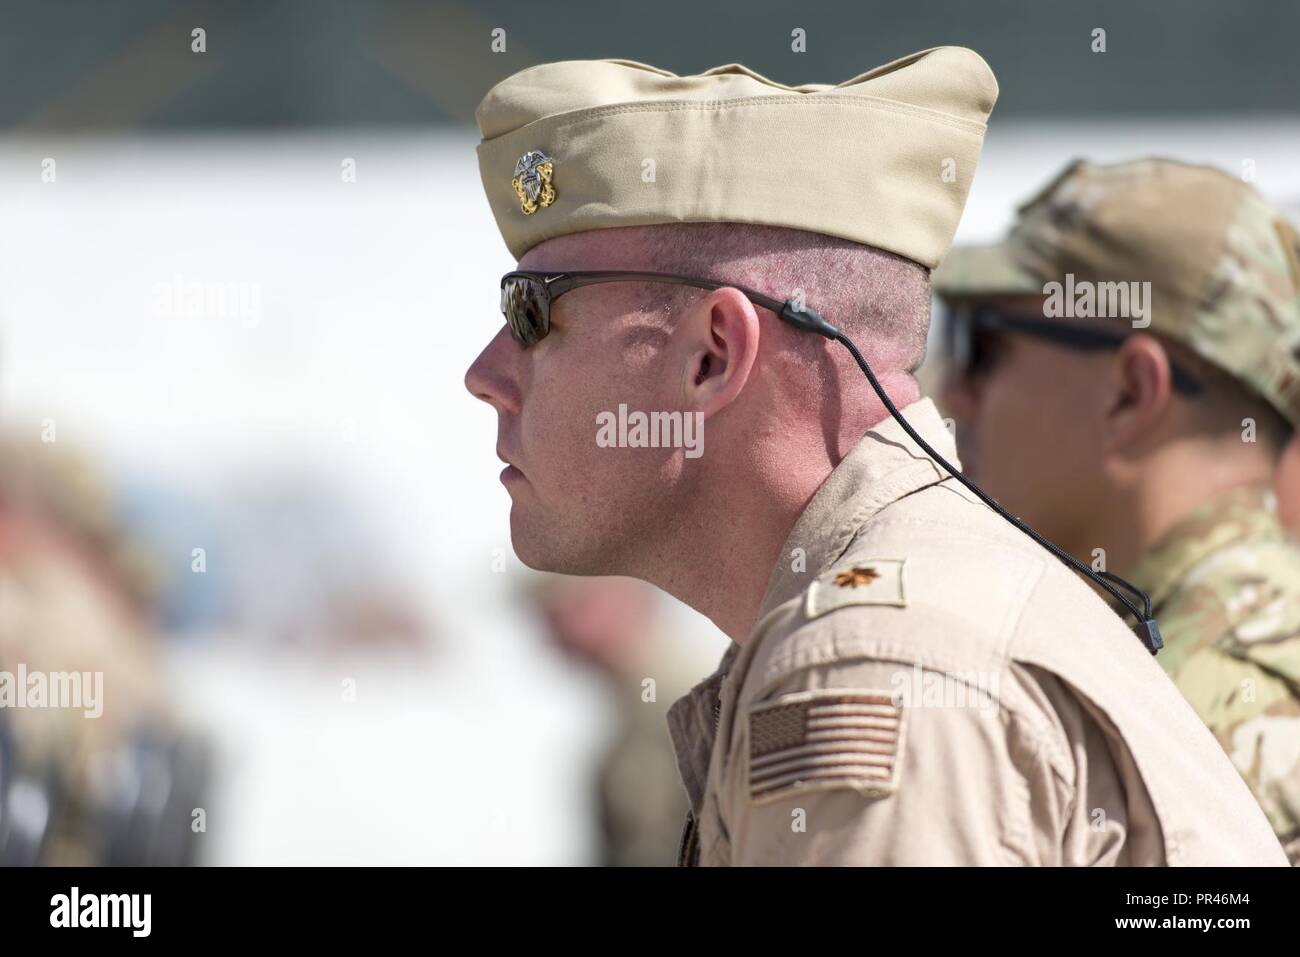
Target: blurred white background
x=340, y=405
x=326, y=446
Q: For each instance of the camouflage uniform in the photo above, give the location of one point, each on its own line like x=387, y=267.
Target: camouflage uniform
x=1224, y=271
x=1225, y=586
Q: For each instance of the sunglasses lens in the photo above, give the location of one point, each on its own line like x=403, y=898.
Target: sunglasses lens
x=526, y=306
x=971, y=348
x=959, y=342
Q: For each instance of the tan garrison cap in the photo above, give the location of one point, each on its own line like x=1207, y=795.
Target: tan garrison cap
x=884, y=159
x=1223, y=263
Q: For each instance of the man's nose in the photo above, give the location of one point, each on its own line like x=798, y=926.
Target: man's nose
x=493, y=376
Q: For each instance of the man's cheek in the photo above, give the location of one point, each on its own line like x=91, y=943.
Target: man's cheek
x=999, y=439
x=575, y=448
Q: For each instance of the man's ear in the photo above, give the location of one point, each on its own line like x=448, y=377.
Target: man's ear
x=720, y=338
x=1141, y=390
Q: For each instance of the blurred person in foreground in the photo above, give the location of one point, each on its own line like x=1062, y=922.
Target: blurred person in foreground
x=911, y=679
x=93, y=767
x=1140, y=426
x=613, y=626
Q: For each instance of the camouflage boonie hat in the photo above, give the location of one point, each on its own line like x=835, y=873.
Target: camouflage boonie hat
x=1223, y=263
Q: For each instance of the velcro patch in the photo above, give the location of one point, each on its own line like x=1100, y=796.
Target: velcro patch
x=818, y=740
x=868, y=581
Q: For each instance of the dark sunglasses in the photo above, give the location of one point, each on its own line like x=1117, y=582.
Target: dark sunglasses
x=970, y=341
x=526, y=297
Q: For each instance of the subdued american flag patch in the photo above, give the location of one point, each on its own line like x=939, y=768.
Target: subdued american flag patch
x=831, y=738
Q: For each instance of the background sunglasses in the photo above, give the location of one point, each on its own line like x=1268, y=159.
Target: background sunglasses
x=969, y=334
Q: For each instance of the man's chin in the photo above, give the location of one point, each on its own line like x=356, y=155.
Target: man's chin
x=531, y=559
x=531, y=547
x=545, y=552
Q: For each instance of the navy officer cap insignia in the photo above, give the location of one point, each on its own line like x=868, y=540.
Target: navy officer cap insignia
x=534, y=181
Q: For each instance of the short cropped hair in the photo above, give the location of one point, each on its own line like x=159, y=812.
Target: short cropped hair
x=879, y=299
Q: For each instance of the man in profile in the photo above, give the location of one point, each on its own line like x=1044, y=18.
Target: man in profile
x=911, y=679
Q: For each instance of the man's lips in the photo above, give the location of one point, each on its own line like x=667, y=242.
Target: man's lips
x=511, y=471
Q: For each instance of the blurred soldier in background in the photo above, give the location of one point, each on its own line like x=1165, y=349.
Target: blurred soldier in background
x=106, y=778
x=613, y=626
x=1288, y=471
x=1288, y=486
x=1124, y=376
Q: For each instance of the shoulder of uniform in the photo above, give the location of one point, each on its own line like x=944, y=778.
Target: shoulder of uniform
x=1244, y=596
x=859, y=581
x=957, y=602
x=864, y=609
x=1273, y=560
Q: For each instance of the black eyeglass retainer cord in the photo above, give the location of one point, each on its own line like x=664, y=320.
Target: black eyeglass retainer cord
x=1147, y=630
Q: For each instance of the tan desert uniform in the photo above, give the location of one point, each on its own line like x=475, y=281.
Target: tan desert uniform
x=836, y=744
x=938, y=689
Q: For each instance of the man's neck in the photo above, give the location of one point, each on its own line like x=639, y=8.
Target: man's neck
x=720, y=560
x=725, y=575
x=1172, y=488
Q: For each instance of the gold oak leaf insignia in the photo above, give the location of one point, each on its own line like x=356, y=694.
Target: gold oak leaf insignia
x=855, y=576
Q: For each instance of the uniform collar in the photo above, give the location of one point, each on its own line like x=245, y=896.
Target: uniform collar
x=693, y=724
x=882, y=468
x=1244, y=514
